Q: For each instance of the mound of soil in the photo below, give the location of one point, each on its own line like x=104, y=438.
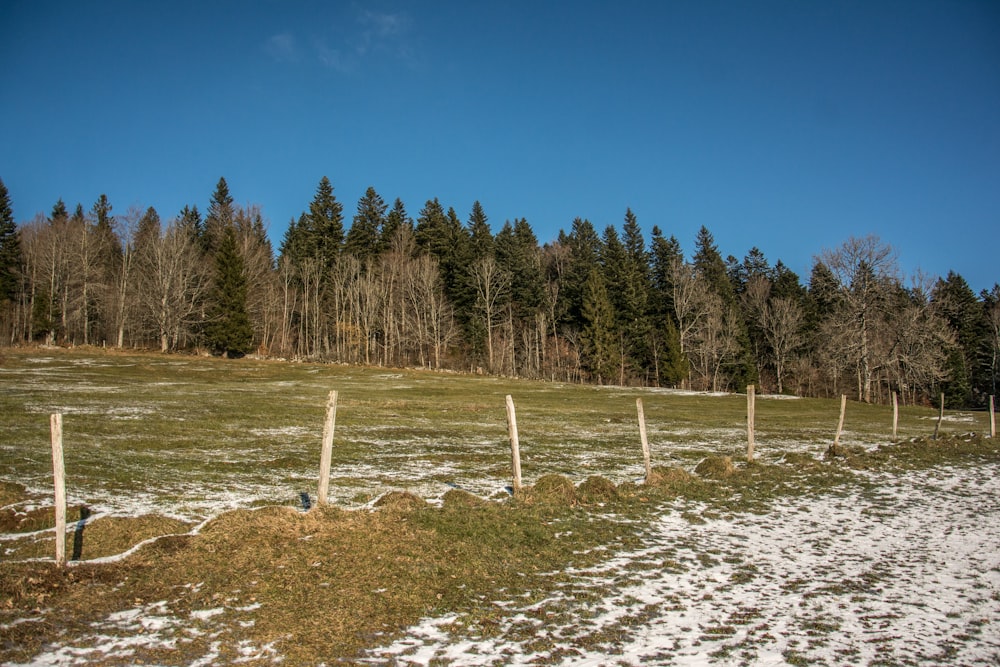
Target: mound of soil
x=459, y=498
x=662, y=476
x=401, y=501
x=716, y=467
x=552, y=490
x=597, y=490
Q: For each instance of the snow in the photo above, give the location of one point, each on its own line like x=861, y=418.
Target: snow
x=905, y=572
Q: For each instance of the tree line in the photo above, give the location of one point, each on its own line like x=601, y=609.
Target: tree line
x=437, y=292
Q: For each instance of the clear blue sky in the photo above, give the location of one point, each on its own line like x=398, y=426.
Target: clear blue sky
x=786, y=125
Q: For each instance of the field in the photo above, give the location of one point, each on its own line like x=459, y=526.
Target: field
x=189, y=481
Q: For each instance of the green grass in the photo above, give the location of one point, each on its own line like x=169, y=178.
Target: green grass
x=172, y=439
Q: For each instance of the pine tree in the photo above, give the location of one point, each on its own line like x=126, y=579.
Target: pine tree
x=957, y=303
x=395, y=221
x=228, y=330
x=363, y=236
x=326, y=223
x=584, y=252
x=598, y=328
x=221, y=216
x=709, y=263
x=189, y=223
x=10, y=249
x=665, y=253
x=59, y=211
x=479, y=232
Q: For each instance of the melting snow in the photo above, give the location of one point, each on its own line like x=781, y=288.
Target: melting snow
x=906, y=573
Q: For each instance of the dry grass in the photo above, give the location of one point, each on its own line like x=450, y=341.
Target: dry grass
x=325, y=584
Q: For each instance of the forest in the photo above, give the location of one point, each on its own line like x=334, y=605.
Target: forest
x=608, y=307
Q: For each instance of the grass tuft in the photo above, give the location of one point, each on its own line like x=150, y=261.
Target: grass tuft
x=716, y=467
x=595, y=490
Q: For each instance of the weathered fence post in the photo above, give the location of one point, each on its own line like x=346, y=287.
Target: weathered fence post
x=642, y=438
x=59, y=484
x=840, y=424
x=515, y=446
x=937, y=427
x=895, y=413
x=751, y=417
x=993, y=418
x=327, y=454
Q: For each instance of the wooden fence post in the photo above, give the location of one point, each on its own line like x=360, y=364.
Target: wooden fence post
x=895, y=413
x=937, y=427
x=642, y=438
x=59, y=484
x=840, y=424
x=993, y=418
x=327, y=454
x=515, y=446
x=751, y=418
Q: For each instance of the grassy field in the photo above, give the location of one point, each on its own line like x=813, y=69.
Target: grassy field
x=217, y=455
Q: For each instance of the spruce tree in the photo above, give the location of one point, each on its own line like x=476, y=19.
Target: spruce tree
x=479, y=232
x=326, y=224
x=10, y=249
x=957, y=303
x=584, y=252
x=221, y=215
x=600, y=344
x=395, y=220
x=229, y=331
x=363, y=236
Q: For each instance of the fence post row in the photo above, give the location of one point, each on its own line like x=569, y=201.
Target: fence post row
x=59, y=484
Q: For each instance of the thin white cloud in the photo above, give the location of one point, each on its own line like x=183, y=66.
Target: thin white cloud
x=283, y=47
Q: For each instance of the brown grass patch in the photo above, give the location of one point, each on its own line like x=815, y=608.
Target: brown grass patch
x=400, y=501
x=596, y=490
x=460, y=498
x=12, y=493
x=550, y=490
x=716, y=467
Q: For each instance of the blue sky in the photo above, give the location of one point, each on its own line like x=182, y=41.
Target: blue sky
x=786, y=125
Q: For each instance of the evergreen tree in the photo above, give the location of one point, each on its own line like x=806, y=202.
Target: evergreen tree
x=517, y=253
x=957, y=303
x=189, y=223
x=10, y=249
x=363, y=236
x=149, y=229
x=479, y=232
x=396, y=220
x=709, y=263
x=665, y=253
x=59, y=211
x=229, y=331
x=584, y=252
x=598, y=333
x=221, y=216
